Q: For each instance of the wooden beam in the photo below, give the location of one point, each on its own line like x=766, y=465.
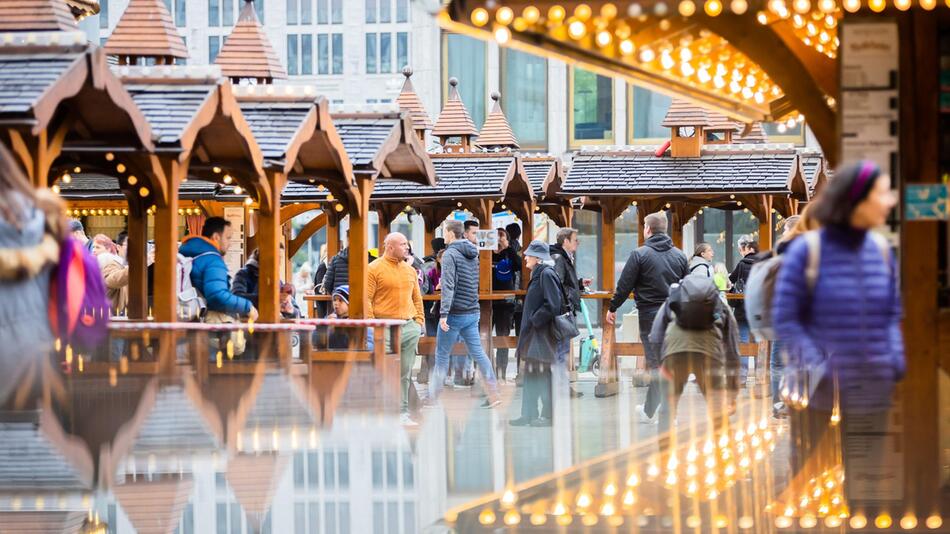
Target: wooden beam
x=607, y=382
x=138, y=268
x=268, y=243
x=166, y=238
x=288, y=212
x=306, y=233
x=359, y=245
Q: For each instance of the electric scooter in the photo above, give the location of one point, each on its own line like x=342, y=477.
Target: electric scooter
x=590, y=347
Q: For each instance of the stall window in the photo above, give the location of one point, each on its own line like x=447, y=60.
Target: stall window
x=795, y=135
x=646, y=111
x=524, y=96
x=591, y=108
x=465, y=58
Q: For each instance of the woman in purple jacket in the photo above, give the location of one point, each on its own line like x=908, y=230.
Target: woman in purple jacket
x=845, y=320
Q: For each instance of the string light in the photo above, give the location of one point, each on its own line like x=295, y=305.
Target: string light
x=504, y=15
x=739, y=7
x=687, y=8
x=713, y=7
x=479, y=17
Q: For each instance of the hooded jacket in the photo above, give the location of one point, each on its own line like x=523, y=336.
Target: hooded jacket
x=649, y=272
x=209, y=275
x=542, y=303
x=700, y=265
x=740, y=275
x=246, y=281
x=566, y=272
x=459, y=278
x=338, y=272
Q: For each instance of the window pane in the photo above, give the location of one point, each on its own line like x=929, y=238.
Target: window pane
x=292, y=11
x=313, y=469
x=314, y=517
x=235, y=519
x=524, y=97
x=214, y=12
x=337, y=11
x=345, y=518
x=385, y=52
x=227, y=13
x=221, y=517
x=391, y=475
x=300, y=518
x=377, y=469
x=337, y=53
x=187, y=520
x=392, y=512
x=214, y=46
x=180, y=13
x=714, y=233
x=306, y=11
x=330, y=518
x=371, y=66
x=343, y=464
x=323, y=54
x=306, y=54
x=104, y=14
x=371, y=10
x=379, y=519
x=169, y=6
x=408, y=476
x=329, y=470
x=220, y=483
x=385, y=10
x=649, y=109
x=409, y=516
x=593, y=106
x=322, y=15
x=299, y=481
x=259, y=7
x=742, y=224
x=402, y=50
x=292, y=51
x=402, y=10
x=466, y=61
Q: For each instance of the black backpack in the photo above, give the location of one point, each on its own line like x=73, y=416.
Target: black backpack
x=693, y=301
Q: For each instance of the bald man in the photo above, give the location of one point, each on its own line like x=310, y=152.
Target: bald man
x=393, y=293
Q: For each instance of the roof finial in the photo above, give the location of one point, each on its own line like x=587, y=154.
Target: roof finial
x=453, y=81
x=495, y=96
x=407, y=71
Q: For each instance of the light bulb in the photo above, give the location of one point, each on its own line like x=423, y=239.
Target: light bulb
x=739, y=7
x=504, y=15
x=603, y=38
x=502, y=35
x=626, y=47
x=556, y=14
x=851, y=6
x=531, y=14
x=877, y=5
x=582, y=11
x=928, y=5
x=577, y=29
x=479, y=17
x=713, y=8
x=762, y=18
x=687, y=8
x=801, y=6
x=647, y=55
x=902, y=5
x=827, y=6
x=666, y=61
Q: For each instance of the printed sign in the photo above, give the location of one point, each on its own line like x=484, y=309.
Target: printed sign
x=926, y=202
x=487, y=239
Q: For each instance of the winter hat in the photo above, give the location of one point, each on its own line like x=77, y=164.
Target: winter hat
x=343, y=292
x=539, y=249
x=75, y=226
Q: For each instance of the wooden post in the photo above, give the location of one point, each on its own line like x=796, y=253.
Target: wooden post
x=607, y=383
x=766, y=229
x=527, y=234
x=138, y=266
x=166, y=241
x=333, y=233
x=430, y=235
x=359, y=244
x=268, y=243
x=676, y=227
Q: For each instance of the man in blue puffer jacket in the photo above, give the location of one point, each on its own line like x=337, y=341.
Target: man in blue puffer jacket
x=209, y=274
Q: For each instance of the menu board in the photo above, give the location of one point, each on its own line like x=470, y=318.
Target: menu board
x=234, y=258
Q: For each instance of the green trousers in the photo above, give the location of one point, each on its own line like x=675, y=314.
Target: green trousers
x=409, y=334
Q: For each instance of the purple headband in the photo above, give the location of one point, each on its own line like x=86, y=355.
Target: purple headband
x=861, y=183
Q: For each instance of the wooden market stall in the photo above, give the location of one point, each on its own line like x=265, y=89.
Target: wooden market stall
x=684, y=177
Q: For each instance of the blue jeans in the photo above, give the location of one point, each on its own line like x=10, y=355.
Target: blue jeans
x=466, y=327
x=776, y=369
x=744, y=333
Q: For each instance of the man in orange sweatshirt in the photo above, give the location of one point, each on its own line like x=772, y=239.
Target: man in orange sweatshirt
x=393, y=292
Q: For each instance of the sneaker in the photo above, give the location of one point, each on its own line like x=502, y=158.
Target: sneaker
x=521, y=421
x=541, y=421
x=576, y=394
x=491, y=403
x=405, y=420
x=428, y=404
x=643, y=417
x=779, y=410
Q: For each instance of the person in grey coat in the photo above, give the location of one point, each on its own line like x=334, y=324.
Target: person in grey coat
x=536, y=344
x=459, y=312
x=31, y=228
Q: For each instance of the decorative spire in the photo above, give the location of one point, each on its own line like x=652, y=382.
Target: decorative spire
x=36, y=15
x=496, y=132
x=454, y=120
x=409, y=101
x=146, y=30
x=247, y=53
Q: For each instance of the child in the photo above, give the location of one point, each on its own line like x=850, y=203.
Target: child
x=339, y=338
x=721, y=277
x=700, y=337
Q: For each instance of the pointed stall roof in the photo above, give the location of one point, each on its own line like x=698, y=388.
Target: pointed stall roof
x=685, y=113
x=43, y=522
x=409, y=101
x=496, y=132
x=154, y=506
x=146, y=29
x=454, y=119
x=36, y=15
x=36, y=454
x=254, y=479
x=545, y=174
x=247, y=53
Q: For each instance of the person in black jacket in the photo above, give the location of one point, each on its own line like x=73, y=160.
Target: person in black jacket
x=506, y=263
x=749, y=249
x=246, y=279
x=562, y=252
x=649, y=272
x=542, y=304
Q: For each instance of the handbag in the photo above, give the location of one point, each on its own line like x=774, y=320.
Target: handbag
x=565, y=324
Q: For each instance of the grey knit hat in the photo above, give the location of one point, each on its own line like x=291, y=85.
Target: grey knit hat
x=539, y=249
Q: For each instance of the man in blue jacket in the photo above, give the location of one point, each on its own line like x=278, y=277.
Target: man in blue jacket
x=209, y=274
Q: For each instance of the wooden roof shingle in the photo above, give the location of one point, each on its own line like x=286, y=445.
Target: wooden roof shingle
x=496, y=132
x=685, y=113
x=459, y=176
x=170, y=108
x=755, y=135
x=36, y=15
x=454, y=119
x=146, y=29
x=26, y=78
x=409, y=101
x=541, y=172
x=247, y=53
x=45, y=522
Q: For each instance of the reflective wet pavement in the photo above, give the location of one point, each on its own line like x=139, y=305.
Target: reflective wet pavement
x=285, y=446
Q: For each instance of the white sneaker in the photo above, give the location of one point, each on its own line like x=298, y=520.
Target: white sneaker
x=405, y=420
x=644, y=418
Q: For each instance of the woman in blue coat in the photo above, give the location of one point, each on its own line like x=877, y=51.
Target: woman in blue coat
x=843, y=321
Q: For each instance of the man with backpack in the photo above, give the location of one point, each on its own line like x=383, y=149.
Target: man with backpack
x=505, y=263
x=649, y=272
x=699, y=336
x=562, y=252
x=202, y=258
